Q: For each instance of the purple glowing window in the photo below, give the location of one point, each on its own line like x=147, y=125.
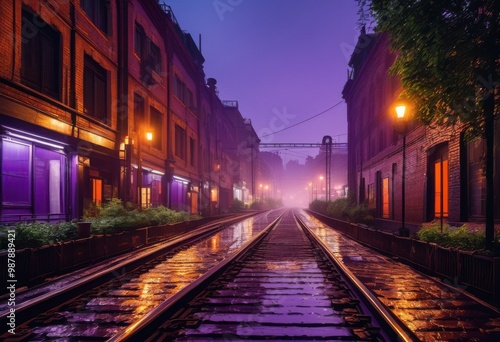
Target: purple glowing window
x=33, y=179
x=16, y=173
x=49, y=176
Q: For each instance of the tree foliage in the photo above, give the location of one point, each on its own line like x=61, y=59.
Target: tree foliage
x=448, y=60
x=448, y=56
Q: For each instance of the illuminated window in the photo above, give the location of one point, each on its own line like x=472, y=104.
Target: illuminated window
x=441, y=188
x=96, y=190
x=146, y=197
x=16, y=176
x=194, y=202
x=385, y=198
x=214, y=195
x=32, y=179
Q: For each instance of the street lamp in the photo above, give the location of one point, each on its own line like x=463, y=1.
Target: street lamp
x=149, y=137
x=401, y=125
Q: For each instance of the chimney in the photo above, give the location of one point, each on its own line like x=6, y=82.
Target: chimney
x=211, y=82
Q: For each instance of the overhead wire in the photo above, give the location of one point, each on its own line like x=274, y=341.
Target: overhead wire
x=303, y=121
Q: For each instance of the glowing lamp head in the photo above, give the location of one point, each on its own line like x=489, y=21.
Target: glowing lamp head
x=149, y=136
x=400, y=111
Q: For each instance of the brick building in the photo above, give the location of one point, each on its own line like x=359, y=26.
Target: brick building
x=59, y=129
x=444, y=171
x=104, y=99
x=242, y=145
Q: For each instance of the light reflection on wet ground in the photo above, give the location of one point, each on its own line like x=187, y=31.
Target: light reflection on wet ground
x=282, y=290
x=130, y=297
x=432, y=310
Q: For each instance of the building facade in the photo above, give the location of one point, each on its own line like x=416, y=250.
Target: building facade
x=444, y=178
x=242, y=144
x=102, y=100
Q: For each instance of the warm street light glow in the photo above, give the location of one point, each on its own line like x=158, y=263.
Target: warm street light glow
x=149, y=136
x=400, y=111
x=320, y=177
x=401, y=127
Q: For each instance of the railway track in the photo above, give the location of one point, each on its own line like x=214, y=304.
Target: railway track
x=282, y=285
x=101, y=303
x=432, y=309
x=281, y=275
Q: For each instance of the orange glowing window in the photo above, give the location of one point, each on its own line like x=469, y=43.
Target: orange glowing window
x=441, y=188
x=214, y=195
x=146, y=197
x=96, y=191
x=385, y=198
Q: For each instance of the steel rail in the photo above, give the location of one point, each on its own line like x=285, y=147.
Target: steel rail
x=154, y=318
x=383, y=316
x=29, y=309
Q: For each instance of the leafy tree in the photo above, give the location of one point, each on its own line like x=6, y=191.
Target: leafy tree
x=448, y=63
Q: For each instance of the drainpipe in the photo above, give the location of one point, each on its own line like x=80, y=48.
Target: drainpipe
x=169, y=163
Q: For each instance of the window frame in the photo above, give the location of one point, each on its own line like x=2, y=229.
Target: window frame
x=156, y=122
x=98, y=12
x=40, y=71
x=192, y=151
x=180, y=142
x=99, y=100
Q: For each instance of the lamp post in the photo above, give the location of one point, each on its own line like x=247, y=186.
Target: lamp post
x=218, y=167
x=149, y=137
x=401, y=123
x=321, y=185
x=126, y=155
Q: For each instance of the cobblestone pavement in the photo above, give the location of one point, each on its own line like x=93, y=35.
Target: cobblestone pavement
x=430, y=308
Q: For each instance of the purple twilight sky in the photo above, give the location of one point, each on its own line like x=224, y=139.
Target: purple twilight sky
x=284, y=61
